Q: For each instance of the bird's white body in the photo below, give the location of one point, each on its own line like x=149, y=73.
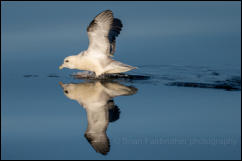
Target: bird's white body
x=97, y=63
x=102, y=32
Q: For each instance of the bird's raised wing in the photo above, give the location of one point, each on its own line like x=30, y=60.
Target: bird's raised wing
x=102, y=33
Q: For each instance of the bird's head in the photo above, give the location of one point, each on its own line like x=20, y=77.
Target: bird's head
x=70, y=90
x=69, y=62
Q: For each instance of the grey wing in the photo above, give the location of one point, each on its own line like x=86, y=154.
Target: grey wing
x=102, y=33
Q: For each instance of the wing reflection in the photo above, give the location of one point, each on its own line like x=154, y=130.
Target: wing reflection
x=97, y=99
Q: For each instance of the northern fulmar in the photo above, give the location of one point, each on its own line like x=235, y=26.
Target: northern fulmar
x=102, y=33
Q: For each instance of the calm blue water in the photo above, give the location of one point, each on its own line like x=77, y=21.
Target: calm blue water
x=195, y=42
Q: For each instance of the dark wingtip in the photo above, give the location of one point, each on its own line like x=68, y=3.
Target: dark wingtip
x=108, y=10
x=114, y=111
x=105, y=12
x=100, y=147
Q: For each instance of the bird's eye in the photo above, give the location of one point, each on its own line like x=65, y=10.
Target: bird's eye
x=66, y=91
x=67, y=61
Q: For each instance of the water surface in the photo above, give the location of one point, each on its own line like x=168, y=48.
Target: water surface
x=185, y=51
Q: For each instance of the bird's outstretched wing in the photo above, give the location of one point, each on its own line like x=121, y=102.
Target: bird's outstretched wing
x=102, y=33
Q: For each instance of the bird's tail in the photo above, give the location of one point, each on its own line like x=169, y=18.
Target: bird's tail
x=118, y=67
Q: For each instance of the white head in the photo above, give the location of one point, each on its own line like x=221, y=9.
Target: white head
x=70, y=62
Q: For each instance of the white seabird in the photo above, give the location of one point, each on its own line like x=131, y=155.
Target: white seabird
x=102, y=32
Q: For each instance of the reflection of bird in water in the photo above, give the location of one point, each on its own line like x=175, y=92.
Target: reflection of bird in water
x=102, y=33
x=97, y=99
